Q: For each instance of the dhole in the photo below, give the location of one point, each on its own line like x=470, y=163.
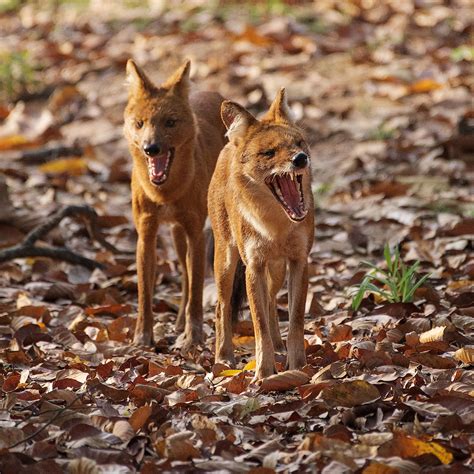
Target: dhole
x=174, y=138
x=261, y=211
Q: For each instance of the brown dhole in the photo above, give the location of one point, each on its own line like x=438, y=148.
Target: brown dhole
x=261, y=211
x=174, y=138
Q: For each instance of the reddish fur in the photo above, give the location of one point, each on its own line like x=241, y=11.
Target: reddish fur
x=249, y=223
x=181, y=200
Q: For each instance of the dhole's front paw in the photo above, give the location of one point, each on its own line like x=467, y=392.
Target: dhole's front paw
x=143, y=339
x=189, y=342
x=296, y=361
x=227, y=359
x=264, y=369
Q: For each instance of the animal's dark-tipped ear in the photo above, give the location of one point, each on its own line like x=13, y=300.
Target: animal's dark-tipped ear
x=236, y=119
x=279, y=111
x=179, y=82
x=137, y=79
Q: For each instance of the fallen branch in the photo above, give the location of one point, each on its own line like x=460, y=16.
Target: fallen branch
x=42, y=155
x=27, y=247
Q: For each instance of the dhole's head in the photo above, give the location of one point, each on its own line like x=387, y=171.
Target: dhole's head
x=158, y=119
x=271, y=152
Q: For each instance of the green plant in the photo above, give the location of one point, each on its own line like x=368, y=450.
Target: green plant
x=382, y=132
x=8, y=6
x=16, y=74
x=463, y=53
x=399, y=281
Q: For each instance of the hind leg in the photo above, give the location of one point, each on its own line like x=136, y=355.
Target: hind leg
x=276, y=277
x=225, y=263
x=181, y=247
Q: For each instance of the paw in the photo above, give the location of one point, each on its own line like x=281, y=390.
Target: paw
x=226, y=359
x=262, y=374
x=264, y=370
x=188, y=343
x=142, y=339
x=297, y=361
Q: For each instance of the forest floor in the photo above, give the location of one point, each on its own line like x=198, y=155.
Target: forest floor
x=382, y=91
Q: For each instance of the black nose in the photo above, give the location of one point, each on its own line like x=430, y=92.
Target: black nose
x=152, y=149
x=300, y=160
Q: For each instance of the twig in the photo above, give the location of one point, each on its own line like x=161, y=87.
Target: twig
x=56, y=253
x=27, y=247
x=43, y=155
x=39, y=430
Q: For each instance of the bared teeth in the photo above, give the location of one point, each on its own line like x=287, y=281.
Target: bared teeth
x=295, y=213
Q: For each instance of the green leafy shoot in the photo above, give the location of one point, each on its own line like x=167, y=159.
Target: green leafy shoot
x=398, y=282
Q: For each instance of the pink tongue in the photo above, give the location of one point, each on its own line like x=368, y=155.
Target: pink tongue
x=158, y=164
x=289, y=190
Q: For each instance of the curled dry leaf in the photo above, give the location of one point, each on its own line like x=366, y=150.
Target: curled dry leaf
x=284, y=381
x=465, y=354
x=433, y=335
x=83, y=466
x=123, y=430
x=180, y=448
x=140, y=416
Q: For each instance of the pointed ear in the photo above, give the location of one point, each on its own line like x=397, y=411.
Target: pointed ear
x=137, y=79
x=279, y=111
x=179, y=81
x=236, y=119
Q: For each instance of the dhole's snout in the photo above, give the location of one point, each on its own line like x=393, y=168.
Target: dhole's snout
x=152, y=149
x=159, y=158
x=300, y=160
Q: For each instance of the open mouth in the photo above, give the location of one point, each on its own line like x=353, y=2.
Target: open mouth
x=288, y=189
x=159, y=166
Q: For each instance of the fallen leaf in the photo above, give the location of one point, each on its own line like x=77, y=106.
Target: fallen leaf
x=69, y=166
x=140, y=416
x=407, y=446
x=350, y=394
x=465, y=354
x=284, y=381
x=433, y=335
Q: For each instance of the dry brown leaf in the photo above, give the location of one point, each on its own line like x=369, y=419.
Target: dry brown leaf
x=433, y=335
x=350, y=394
x=284, y=381
x=465, y=354
x=140, y=416
x=407, y=446
x=83, y=466
x=123, y=430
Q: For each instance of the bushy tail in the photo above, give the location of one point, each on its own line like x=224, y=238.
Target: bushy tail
x=239, y=293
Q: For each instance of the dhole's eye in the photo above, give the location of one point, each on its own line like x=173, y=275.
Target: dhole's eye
x=300, y=144
x=170, y=123
x=269, y=153
x=139, y=124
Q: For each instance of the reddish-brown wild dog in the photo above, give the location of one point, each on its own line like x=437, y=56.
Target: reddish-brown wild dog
x=261, y=211
x=174, y=138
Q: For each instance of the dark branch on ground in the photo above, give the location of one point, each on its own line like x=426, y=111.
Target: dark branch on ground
x=27, y=247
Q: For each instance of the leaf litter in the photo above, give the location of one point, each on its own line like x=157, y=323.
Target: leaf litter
x=382, y=90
